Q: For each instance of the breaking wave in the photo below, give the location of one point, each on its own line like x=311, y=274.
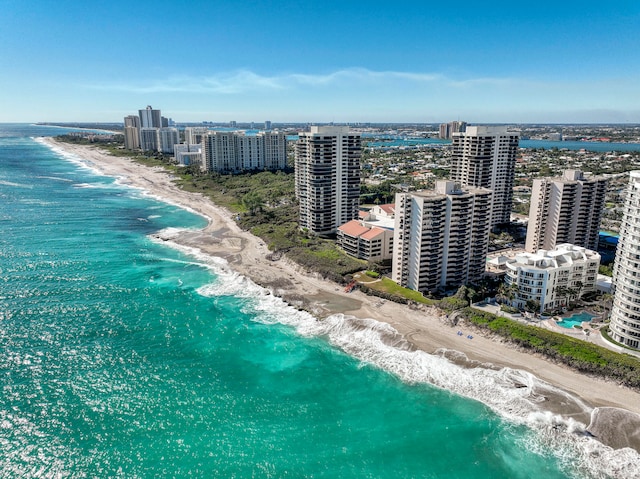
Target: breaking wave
x=516, y=395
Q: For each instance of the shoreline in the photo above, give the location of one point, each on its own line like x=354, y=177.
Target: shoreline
x=425, y=329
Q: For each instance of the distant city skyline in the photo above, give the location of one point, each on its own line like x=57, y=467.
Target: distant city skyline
x=552, y=62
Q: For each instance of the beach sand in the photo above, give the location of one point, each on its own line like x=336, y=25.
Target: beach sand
x=425, y=329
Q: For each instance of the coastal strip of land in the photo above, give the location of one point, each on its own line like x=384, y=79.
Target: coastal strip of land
x=425, y=329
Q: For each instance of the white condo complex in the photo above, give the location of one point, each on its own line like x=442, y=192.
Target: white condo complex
x=551, y=278
x=327, y=175
x=565, y=210
x=625, y=314
x=485, y=157
x=236, y=151
x=440, y=237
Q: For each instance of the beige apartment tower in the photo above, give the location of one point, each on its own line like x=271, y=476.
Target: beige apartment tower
x=441, y=237
x=327, y=177
x=565, y=210
x=485, y=157
x=131, y=132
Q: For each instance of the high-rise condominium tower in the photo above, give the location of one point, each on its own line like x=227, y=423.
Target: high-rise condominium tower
x=132, y=132
x=440, y=237
x=235, y=151
x=150, y=118
x=565, y=210
x=193, y=134
x=625, y=314
x=167, y=139
x=149, y=139
x=485, y=157
x=327, y=163
x=448, y=129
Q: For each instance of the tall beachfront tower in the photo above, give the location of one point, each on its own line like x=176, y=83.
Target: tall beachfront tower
x=235, y=151
x=441, y=237
x=327, y=177
x=167, y=139
x=485, y=157
x=219, y=152
x=150, y=118
x=625, y=315
x=565, y=210
x=132, y=132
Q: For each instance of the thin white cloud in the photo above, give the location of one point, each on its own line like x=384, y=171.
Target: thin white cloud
x=242, y=81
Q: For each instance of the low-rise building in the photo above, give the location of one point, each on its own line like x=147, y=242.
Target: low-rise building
x=188, y=154
x=551, y=278
x=371, y=243
x=383, y=211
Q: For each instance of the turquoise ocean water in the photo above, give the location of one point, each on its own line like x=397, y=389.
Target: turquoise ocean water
x=122, y=357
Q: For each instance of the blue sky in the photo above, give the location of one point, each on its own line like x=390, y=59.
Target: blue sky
x=343, y=61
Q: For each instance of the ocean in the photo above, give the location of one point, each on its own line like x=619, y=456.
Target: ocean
x=124, y=357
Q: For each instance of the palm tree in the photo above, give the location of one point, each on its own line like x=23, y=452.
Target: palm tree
x=508, y=292
x=571, y=293
x=562, y=291
x=579, y=286
x=607, y=304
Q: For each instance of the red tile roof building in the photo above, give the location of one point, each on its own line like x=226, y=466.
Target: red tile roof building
x=365, y=242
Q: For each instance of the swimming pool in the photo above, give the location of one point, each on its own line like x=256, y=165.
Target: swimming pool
x=574, y=319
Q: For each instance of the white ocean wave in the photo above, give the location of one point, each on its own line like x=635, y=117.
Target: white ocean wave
x=15, y=185
x=516, y=395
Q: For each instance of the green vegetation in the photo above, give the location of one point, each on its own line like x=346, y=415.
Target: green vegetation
x=385, y=288
x=383, y=193
x=606, y=269
x=581, y=355
x=266, y=205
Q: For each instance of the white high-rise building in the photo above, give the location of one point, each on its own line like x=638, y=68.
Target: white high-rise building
x=485, y=157
x=441, y=237
x=625, y=313
x=149, y=139
x=549, y=278
x=565, y=210
x=275, y=150
x=193, y=134
x=327, y=164
x=219, y=152
x=250, y=151
x=167, y=138
x=150, y=118
x=235, y=151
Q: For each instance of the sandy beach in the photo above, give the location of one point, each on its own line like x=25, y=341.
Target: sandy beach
x=425, y=329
